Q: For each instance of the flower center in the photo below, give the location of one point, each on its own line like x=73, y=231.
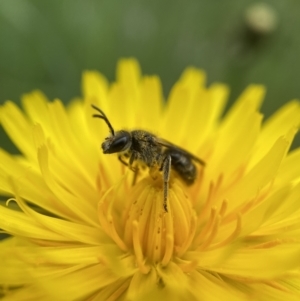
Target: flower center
x=135, y=219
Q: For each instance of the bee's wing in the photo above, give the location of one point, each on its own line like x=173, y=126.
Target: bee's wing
x=170, y=145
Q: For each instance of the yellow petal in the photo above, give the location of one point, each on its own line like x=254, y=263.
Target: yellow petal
x=87, y=281
x=142, y=284
x=18, y=128
x=32, y=293
x=260, y=175
x=233, y=150
x=277, y=125
x=210, y=287
x=261, y=263
x=290, y=168
x=247, y=103
x=21, y=225
x=79, y=206
x=95, y=89
x=36, y=107
x=150, y=105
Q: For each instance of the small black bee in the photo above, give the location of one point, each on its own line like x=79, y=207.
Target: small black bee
x=146, y=149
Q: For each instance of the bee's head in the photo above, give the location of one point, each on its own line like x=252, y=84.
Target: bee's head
x=119, y=142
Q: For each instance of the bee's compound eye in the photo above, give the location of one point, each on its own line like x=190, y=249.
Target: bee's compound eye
x=118, y=144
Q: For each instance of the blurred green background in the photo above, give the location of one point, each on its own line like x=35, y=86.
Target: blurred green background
x=47, y=44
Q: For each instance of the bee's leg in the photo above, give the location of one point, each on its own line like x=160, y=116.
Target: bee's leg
x=134, y=169
x=135, y=175
x=166, y=168
x=121, y=160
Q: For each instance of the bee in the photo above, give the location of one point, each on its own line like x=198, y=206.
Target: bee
x=137, y=149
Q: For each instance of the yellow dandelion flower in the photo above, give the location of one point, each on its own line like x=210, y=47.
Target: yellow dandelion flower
x=81, y=231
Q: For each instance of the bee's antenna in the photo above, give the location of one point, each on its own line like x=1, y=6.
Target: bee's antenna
x=103, y=116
